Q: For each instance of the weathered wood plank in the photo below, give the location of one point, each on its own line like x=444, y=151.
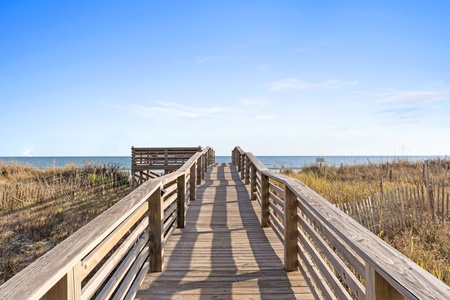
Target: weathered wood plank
x=223, y=251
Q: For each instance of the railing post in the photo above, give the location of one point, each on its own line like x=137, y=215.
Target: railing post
x=199, y=170
x=205, y=165
x=252, y=182
x=290, y=230
x=133, y=163
x=181, y=201
x=247, y=170
x=68, y=287
x=192, y=181
x=265, y=215
x=242, y=162
x=156, y=214
x=237, y=159
x=212, y=156
x=378, y=288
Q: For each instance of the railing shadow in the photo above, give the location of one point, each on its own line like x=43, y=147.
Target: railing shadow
x=223, y=250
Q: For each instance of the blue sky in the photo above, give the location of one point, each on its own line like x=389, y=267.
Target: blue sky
x=275, y=77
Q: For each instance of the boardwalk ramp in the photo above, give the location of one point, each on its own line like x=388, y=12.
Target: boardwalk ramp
x=224, y=253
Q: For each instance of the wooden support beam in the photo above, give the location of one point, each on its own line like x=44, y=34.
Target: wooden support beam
x=290, y=230
x=265, y=215
x=199, y=170
x=247, y=170
x=378, y=288
x=181, y=201
x=242, y=163
x=192, y=181
x=156, y=214
x=253, y=182
x=68, y=287
x=204, y=165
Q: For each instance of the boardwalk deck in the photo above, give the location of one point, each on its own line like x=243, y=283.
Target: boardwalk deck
x=223, y=253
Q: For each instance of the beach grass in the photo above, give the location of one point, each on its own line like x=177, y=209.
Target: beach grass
x=426, y=242
x=40, y=208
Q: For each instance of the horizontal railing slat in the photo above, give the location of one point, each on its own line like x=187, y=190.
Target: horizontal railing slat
x=101, y=275
x=339, y=266
x=276, y=201
x=122, y=270
x=93, y=258
x=312, y=269
x=322, y=266
x=279, y=191
x=133, y=271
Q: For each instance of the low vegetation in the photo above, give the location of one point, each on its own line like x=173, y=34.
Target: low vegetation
x=40, y=208
x=425, y=241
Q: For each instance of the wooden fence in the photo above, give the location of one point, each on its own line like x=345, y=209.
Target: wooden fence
x=109, y=257
x=340, y=258
x=20, y=194
x=404, y=206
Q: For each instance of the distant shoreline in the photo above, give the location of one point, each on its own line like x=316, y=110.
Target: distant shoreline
x=272, y=162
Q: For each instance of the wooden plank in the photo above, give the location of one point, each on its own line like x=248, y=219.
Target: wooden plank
x=276, y=200
x=223, y=252
x=277, y=211
x=253, y=182
x=68, y=288
x=350, y=255
x=156, y=232
x=133, y=272
x=279, y=192
x=121, y=271
x=339, y=266
x=265, y=201
x=378, y=288
x=324, y=269
x=181, y=201
x=290, y=230
x=91, y=260
x=311, y=268
x=101, y=275
x=138, y=281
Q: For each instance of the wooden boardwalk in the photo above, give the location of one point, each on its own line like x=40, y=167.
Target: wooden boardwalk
x=223, y=253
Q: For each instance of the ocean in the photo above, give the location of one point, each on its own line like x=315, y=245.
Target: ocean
x=272, y=162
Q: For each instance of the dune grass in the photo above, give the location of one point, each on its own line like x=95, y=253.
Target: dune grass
x=428, y=244
x=40, y=208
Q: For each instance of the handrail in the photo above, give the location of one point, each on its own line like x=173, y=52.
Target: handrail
x=340, y=258
x=111, y=254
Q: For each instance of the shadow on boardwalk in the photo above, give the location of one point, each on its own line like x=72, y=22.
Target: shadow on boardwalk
x=223, y=253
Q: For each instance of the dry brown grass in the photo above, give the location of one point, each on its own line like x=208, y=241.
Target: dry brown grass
x=427, y=244
x=40, y=208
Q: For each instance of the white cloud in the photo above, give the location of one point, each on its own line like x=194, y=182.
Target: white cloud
x=27, y=152
x=300, y=84
x=415, y=97
x=205, y=59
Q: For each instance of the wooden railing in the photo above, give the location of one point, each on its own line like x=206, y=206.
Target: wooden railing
x=144, y=160
x=339, y=257
x=109, y=257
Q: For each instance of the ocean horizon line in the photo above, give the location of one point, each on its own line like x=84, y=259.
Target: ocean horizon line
x=271, y=161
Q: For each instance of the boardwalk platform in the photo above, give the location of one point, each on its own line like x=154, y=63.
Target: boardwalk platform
x=223, y=253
